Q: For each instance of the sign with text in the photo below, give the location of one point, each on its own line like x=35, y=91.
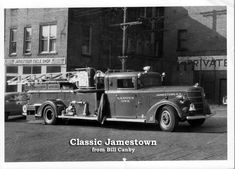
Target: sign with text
x=35, y=61
x=205, y=62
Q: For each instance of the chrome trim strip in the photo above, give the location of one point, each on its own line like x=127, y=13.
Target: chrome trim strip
x=37, y=104
x=78, y=117
x=107, y=119
x=126, y=120
x=50, y=91
x=200, y=116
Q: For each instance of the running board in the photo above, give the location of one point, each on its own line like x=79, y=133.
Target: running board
x=78, y=117
x=126, y=120
x=107, y=119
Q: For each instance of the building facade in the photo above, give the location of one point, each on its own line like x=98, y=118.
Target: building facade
x=188, y=43
x=195, y=48
x=57, y=40
x=35, y=42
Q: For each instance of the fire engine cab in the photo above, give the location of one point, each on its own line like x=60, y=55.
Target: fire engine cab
x=128, y=96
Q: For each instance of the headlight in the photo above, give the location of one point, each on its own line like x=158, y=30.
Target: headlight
x=181, y=96
x=24, y=108
x=192, y=107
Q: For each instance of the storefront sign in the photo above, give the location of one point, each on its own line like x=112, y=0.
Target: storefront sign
x=35, y=61
x=205, y=62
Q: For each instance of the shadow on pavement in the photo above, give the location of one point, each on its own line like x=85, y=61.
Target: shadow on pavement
x=213, y=125
x=18, y=118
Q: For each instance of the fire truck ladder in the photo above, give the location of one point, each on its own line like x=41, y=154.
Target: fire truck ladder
x=67, y=77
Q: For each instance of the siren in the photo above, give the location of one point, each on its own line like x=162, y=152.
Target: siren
x=146, y=68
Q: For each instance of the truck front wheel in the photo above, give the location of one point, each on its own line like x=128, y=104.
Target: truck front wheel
x=168, y=119
x=197, y=122
x=49, y=115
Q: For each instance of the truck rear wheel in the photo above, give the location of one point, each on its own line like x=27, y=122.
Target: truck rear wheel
x=168, y=119
x=197, y=122
x=49, y=115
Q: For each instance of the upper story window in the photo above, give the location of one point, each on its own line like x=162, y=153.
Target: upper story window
x=86, y=40
x=27, y=40
x=48, y=39
x=13, y=39
x=182, y=39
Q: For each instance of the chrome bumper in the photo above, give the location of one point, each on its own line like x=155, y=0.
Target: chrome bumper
x=200, y=116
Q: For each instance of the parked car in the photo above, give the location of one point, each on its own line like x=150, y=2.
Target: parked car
x=13, y=103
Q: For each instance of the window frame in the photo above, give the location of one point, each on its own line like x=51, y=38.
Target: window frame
x=133, y=79
x=49, y=68
x=181, y=39
x=27, y=40
x=87, y=53
x=48, y=39
x=13, y=41
x=32, y=69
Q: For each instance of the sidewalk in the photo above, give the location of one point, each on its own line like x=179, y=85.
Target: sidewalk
x=220, y=110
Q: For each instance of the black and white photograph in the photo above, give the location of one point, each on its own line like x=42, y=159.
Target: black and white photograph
x=118, y=85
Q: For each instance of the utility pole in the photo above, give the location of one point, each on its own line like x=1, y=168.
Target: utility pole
x=124, y=26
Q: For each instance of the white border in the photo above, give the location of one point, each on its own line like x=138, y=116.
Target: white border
x=118, y=3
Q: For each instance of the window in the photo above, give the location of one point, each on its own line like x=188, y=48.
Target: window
x=125, y=83
x=31, y=69
x=10, y=88
x=53, y=69
x=182, y=39
x=48, y=39
x=86, y=40
x=27, y=40
x=13, y=37
x=12, y=69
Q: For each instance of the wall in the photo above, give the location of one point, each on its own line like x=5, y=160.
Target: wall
x=34, y=17
x=20, y=18
x=107, y=38
x=205, y=37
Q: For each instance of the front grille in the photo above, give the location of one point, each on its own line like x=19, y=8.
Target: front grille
x=195, y=96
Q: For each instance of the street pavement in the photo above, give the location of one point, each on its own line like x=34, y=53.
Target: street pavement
x=30, y=140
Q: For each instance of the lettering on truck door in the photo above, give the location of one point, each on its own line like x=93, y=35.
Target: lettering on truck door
x=125, y=105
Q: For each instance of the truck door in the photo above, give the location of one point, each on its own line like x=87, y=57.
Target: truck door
x=125, y=105
x=125, y=98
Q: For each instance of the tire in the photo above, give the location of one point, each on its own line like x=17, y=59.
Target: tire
x=168, y=119
x=196, y=123
x=49, y=115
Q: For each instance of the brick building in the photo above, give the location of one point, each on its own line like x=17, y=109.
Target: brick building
x=188, y=43
x=195, y=37
x=58, y=40
x=35, y=42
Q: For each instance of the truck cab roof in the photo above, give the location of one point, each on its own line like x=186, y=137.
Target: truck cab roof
x=131, y=80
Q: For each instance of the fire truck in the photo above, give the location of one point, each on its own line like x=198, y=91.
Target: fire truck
x=128, y=96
